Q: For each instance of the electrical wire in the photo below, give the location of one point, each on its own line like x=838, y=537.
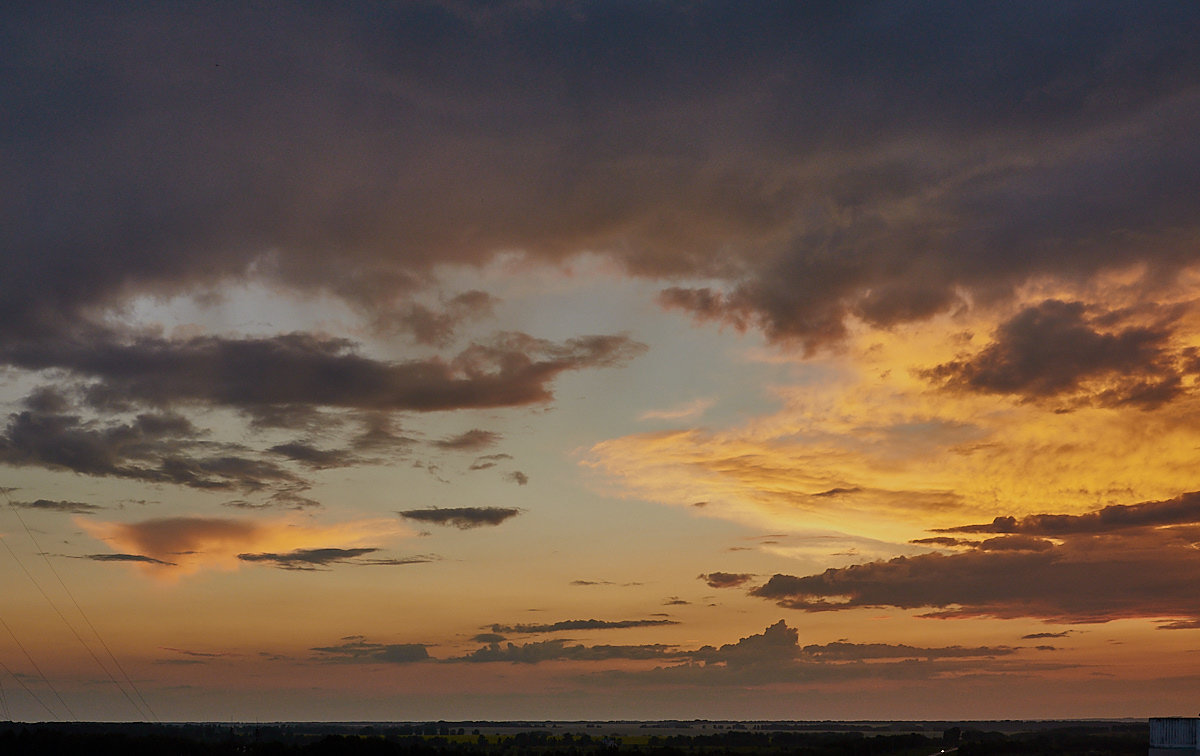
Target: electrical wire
x=41, y=674
x=32, y=695
x=144, y=707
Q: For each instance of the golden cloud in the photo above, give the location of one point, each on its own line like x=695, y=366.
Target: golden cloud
x=868, y=442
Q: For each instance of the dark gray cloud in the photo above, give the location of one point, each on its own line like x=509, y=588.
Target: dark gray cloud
x=307, y=559
x=1117, y=562
x=472, y=440
x=1183, y=509
x=153, y=447
x=127, y=558
x=463, y=518
x=488, y=638
x=823, y=160
x=588, y=624
x=726, y=579
x=1189, y=624
x=1060, y=349
x=311, y=456
x=944, y=542
x=197, y=654
x=69, y=507
x=315, y=559
x=1039, y=636
x=436, y=327
x=356, y=650
x=266, y=378
x=303, y=370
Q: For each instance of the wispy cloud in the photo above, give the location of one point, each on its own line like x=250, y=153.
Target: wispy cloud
x=688, y=411
x=587, y=624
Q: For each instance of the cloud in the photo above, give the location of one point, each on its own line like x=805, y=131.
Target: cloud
x=153, y=448
x=488, y=461
x=1183, y=509
x=842, y=651
x=488, y=638
x=1039, y=636
x=588, y=624
x=588, y=583
x=518, y=477
x=472, y=440
x=69, y=507
x=265, y=374
x=775, y=657
x=198, y=654
x=196, y=543
x=1114, y=563
x=128, y=558
x=777, y=643
x=436, y=327
x=726, y=579
x=559, y=650
x=692, y=409
x=312, y=456
x=356, y=650
x=1057, y=348
x=315, y=559
x=308, y=559
x=858, y=189
x=463, y=518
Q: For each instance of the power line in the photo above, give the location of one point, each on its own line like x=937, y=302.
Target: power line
x=32, y=695
x=141, y=711
x=41, y=674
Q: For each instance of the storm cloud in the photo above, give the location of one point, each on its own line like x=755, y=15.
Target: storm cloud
x=860, y=188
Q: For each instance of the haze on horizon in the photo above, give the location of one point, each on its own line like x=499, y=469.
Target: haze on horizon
x=599, y=360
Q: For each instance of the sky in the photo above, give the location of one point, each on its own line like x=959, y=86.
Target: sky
x=599, y=360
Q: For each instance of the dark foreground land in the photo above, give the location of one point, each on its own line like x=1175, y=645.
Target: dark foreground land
x=578, y=738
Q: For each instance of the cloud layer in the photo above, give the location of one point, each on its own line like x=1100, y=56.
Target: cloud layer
x=1119, y=562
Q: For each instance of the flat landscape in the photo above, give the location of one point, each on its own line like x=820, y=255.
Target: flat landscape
x=994, y=738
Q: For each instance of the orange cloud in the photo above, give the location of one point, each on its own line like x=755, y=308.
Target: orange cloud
x=186, y=545
x=872, y=441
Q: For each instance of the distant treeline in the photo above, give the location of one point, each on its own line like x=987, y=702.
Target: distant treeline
x=102, y=739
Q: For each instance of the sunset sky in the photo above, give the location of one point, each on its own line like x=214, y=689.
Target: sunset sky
x=599, y=359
